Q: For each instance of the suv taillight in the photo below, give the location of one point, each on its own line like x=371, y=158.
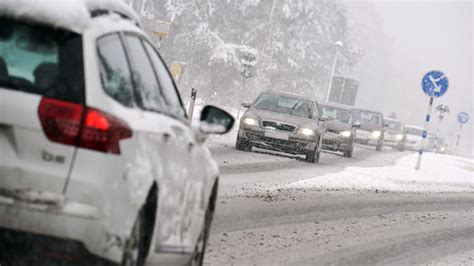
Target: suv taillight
x=63, y=122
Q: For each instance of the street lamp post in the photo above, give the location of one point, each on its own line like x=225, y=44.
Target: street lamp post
x=337, y=45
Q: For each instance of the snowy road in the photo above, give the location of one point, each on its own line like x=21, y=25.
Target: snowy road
x=259, y=220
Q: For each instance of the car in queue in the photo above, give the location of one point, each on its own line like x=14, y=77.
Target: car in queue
x=340, y=128
x=283, y=122
x=97, y=154
x=372, y=127
x=395, y=136
x=414, y=137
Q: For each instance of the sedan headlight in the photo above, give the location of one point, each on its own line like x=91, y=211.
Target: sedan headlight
x=250, y=121
x=346, y=134
x=399, y=136
x=306, y=131
x=376, y=134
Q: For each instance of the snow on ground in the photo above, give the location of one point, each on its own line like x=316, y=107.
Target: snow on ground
x=438, y=173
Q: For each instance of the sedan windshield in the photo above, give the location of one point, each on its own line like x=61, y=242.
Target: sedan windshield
x=367, y=117
x=284, y=104
x=413, y=131
x=394, y=125
x=337, y=114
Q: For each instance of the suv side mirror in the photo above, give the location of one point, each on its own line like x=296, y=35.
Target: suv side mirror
x=356, y=124
x=215, y=121
x=246, y=105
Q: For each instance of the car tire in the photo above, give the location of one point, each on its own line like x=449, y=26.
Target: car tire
x=243, y=145
x=313, y=155
x=134, y=245
x=379, y=146
x=197, y=258
x=348, y=152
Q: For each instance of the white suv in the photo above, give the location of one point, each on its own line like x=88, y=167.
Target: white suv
x=96, y=151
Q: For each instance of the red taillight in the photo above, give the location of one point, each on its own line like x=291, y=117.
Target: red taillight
x=61, y=122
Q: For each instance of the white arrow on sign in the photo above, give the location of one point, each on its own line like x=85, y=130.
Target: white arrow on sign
x=433, y=81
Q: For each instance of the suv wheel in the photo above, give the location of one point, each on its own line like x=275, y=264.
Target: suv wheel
x=242, y=144
x=133, y=251
x=197, y=258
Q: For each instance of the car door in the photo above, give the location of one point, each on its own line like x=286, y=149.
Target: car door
x=193, y=186
x=174, y=215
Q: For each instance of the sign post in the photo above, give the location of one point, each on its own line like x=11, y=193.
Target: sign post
x=463, y=118
x=442, y=110
x=434, y=85
x=191, y=104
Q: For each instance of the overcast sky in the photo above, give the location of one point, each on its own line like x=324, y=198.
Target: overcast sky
x=430, y=35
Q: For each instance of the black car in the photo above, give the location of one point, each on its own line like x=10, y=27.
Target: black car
x=340, y=128
x=372, y=127
x=283, y=122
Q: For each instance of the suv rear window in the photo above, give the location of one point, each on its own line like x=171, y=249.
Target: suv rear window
x=41, y=60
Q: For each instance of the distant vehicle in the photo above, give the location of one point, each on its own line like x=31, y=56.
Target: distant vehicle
x=372, y=128
x=282, y=122
x=414, y=137
x=340, y=128
x=97, y=154
x=395, y=136
x=430, y=145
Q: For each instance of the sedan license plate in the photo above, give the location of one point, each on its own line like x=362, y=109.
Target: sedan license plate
x=277, y=135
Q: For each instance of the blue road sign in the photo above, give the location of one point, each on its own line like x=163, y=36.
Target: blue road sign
x=463, y=117
x=435, y=84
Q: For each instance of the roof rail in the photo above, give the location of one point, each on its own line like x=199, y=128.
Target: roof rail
x=105, y=7
x=103, y=12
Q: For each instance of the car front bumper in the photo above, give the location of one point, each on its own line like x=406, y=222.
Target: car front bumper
x=391, y=141
x=336, y=142
x=295, y=144
x=366, y=138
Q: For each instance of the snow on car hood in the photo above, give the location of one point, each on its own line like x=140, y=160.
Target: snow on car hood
x=72, y=15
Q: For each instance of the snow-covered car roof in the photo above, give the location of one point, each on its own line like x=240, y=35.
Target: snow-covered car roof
x=337, y=105
x=74, y=15
x=392, y=120
x=284, y=93
x=412, y=126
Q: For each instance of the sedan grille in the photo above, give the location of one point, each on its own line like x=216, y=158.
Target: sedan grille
x=278, y=126
x=333, y=131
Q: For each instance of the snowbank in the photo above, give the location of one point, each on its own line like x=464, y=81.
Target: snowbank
x=439, y=173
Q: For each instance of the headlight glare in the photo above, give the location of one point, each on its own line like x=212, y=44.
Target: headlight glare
x=250, y=121
x=346, y=134
x=376, y=134
x=399, y=137
x=306, y=131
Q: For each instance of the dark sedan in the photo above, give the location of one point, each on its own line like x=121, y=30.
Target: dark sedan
x=283, y=122
x=340, y=128
x=395, y=136
x=372, y=129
